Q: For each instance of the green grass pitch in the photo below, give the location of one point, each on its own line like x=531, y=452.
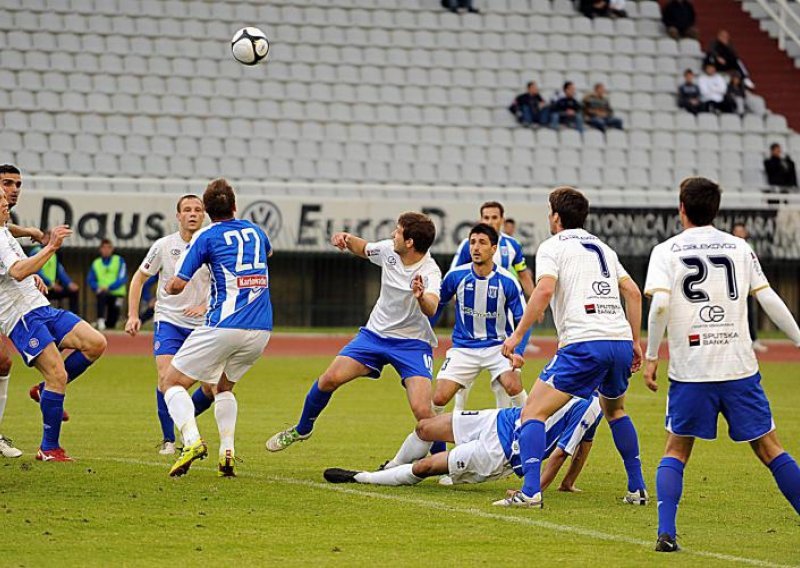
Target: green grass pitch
x=116, y=506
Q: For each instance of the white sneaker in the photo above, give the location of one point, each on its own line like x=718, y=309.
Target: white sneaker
x=760, y=347
x=167, y=448
x=639, y=497
x=519, y=499
x=7, y=448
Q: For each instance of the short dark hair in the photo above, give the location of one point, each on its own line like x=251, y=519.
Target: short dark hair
x=419, y=228
x=571, y=205
x=567, y=85
x=739, y=224
x=106, y=242
x=9, y=169
x=688, y=71
x=484, y=229
x=531, y=83
x=773, y=146
x=700, y=198
x=510, y=220
x=219, y=200
x=493, y=205
x=185, y=197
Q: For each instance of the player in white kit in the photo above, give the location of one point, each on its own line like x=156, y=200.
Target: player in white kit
x=175, y=316
x=699, y=282
x=398, y=332
x=583, y=281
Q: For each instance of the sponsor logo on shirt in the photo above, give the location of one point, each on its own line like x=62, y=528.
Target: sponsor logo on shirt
x=702, y=246
x=602, y=309
x=255, y=281
x=712, y=314
x=590, y=308
x=601, y=288
x=467, y=311
x=694, y=340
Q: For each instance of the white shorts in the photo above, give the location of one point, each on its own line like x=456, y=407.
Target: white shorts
x=210, y=351
x=478, y=455
x=462, y=365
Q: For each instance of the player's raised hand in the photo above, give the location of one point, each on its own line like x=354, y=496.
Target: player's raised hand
x=339, y=240
x=509, y=345
x=58, y=234
x=637, y=357
x=651, y=374
x=133, y=325
x=517, y=361
x=36, y=234
x=418, y=286
x=195, y=311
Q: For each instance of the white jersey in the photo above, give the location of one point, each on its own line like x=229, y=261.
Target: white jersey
x=397, y=313
x=586, y=304
x=161, y=260
x=708, y=274
x=16, y=298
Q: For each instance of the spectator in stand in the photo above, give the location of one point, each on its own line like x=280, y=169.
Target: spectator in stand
x=722, y=54
x=617, y=8
x=529, y=107
x=567, y=110
x=59, y=285
x=108, y=278
x=689, y=94
x=509, y=226
x=595, y=8
x=740, y=230
x=780, y=168
x=454, y=5
x=597, y=110
x=679, y=19
x=714, y=91
x=738, y=94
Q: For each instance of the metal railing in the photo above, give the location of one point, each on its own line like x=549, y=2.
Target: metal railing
x=781, y=16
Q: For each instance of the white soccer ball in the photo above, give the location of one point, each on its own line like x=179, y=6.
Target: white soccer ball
x=250, y=46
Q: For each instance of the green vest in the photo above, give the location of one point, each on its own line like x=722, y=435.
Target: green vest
x=50, y=268
x=108, y=274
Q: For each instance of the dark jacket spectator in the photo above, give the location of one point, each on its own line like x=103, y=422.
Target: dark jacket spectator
x=723, y=55
x=737, y=93
x=529, y=107
x=454, y=5
x=597, y=110
x=567, y=110
x=679, y=19
x=689, y=94
x=595, y=8
x=780, y=169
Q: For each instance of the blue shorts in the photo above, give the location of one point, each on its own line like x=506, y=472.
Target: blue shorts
x=409, y=357
x=168, y=338
x=39, y=328
x=693, y=408
x=581, y=368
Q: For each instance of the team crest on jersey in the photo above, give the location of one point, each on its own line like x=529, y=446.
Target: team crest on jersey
x=392, y=260
x=33, y=343
x=493, y=292
x=175, y=252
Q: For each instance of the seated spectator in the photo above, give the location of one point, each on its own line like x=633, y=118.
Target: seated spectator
x=454, y=5
x=595, y=8
x=108, y=279
x=722, y=54
x=567, y=110
x=780, y=169
x=689, y=94
x=714, y=90
x=59, y=285
x=617, y=8
x=738, y=94
x=679, y=19
x=529, y=107
x=597, y=110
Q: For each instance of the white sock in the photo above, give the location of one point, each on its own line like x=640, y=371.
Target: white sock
x=400, y=475
x=413, y=449
x=519, y=400
x=500, y=395
x=181, y=409
x=461, y=398
x=3, y=395
x=225, y=411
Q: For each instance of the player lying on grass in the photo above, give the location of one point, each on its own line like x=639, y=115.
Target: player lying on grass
x=398, y=332
x=40, y=332
x=487, y=447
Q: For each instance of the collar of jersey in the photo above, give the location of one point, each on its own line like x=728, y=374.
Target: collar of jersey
x=477, y=276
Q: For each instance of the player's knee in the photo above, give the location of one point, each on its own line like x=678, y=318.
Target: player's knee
x=767, y=448
x=424, y=429
x=440, y=399
x=423, y=468
x=328, y=382
x=57, y=376
x=95, y=346
x=512, y=388
x=5, y=365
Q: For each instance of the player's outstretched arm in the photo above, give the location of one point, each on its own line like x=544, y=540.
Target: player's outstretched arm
x=633, y=311
x=656, y=326
x=575, y=467
x=21, y=269
x=33, y=233
x=552, y=466
x=346, y=241
x=133, y=324
x=175, y=285
x=534, y=312
x=779, y=313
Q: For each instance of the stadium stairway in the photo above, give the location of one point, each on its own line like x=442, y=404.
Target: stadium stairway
x=772, y=70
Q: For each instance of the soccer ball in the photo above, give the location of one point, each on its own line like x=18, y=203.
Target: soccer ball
x=250, y=46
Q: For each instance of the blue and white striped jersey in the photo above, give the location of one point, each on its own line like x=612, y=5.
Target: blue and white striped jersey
x=235, y=252
x=574, y=423
x=487, y=309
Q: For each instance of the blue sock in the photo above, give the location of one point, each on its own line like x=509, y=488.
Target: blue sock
x=167, y=425
x=627, y=443
x=787, y=474
x=531, y=452
x=316, y=401
x=75, y=365
x=669, y=486
x=201, y=402
x=438, y=448
x=52, y=406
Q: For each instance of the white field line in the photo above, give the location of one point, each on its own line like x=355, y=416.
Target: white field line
x=468, y=511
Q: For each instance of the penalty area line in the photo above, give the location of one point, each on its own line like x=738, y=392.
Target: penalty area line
x=470, y=511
